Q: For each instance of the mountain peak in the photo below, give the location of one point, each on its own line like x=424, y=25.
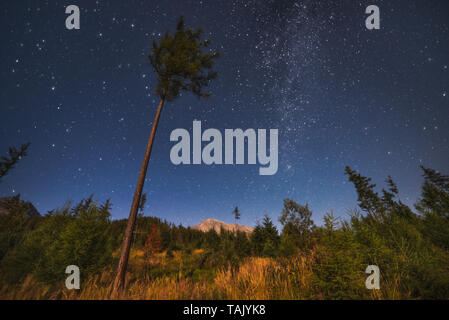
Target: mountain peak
x=15, y=204
x=217, y=225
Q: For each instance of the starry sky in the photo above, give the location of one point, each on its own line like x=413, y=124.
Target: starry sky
x=376, y=100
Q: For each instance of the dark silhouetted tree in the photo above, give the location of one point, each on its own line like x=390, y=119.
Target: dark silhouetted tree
x=368, y=199
x=236, y=214
x=180, y=64
x=435, y=193
x=7, y=163
x=434, y=206
x=143, y=201
x=152, y=242
x=297, y=223
x=265, y=238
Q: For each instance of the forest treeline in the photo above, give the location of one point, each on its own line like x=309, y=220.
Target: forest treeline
x=302, y=260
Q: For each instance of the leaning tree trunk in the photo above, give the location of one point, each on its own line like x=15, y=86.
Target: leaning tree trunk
x=119, y=280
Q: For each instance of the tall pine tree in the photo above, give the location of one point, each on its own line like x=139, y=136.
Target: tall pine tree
x=180, y=64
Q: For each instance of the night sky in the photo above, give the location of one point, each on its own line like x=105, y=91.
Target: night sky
x=376, y=100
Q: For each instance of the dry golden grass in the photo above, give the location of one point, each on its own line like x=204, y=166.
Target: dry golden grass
x=255, y=278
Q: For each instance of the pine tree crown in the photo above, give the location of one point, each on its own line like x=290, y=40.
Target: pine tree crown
x=180, y=63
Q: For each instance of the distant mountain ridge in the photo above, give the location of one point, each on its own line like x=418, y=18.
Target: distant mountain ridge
x=10, y=204
x=217, y=225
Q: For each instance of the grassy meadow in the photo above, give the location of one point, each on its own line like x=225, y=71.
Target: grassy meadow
x=300, y=261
